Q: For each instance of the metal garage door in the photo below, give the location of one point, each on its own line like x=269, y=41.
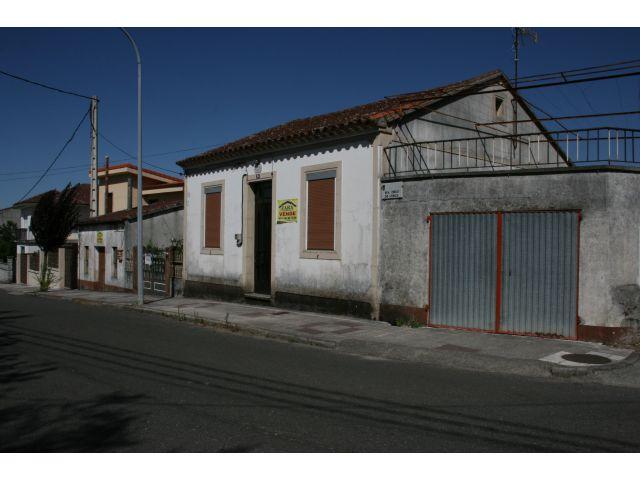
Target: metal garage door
x=463, y=266
x=512, y=272
x=539, y=273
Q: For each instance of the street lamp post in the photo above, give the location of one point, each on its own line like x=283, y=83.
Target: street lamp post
x=139, y=225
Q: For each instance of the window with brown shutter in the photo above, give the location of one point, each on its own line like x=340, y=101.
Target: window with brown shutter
x=53, y=259
x=212, y=216
x=34, y=261
x=321, y=192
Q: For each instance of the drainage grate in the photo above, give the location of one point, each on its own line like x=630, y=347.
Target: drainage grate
x=586, y=358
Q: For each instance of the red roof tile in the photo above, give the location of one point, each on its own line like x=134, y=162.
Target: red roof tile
x=161, y=186
x=371, y=115
x=83, y=195
x=132, y=213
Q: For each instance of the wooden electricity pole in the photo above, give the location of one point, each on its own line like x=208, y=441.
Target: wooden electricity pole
x=93, y=116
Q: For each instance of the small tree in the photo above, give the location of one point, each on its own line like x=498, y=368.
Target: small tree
x=52, y=221
x=8, y=239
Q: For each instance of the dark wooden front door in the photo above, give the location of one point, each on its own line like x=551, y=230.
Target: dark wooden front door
x=24, y=260
x=262, y=245
x=71, y=267
x=101, y=267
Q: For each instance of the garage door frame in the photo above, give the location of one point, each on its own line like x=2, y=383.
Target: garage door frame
x=499, y=272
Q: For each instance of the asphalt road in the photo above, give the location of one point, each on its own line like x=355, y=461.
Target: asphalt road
x=85, y=378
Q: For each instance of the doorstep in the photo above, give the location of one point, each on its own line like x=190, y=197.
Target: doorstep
x=263, y=297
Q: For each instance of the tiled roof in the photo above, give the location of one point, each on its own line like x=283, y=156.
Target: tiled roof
x=83, y=195
x=368, y=116
x=132, y=213
x=131, y=166
x=162, y=186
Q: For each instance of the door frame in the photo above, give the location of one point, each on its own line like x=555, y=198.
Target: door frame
x=499, y=285
x=248, y=229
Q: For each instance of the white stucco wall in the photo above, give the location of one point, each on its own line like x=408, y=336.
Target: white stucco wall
x=113, y=237
x=348, y=277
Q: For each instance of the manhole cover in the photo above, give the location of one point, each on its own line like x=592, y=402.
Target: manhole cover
x=586, y=358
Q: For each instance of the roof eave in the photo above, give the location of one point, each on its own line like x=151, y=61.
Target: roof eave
x=282, y=146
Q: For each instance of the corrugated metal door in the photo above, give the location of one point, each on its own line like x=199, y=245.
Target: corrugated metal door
x=539, y=273
x=537, y=255
x=463, y=270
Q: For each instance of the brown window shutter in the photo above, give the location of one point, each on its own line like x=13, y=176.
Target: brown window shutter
x=321, y=214
x=212, y=220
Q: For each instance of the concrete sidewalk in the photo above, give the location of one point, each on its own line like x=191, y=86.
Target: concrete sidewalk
x=453, y=348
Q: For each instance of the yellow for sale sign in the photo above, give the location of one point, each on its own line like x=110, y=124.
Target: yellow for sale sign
x=288, y=210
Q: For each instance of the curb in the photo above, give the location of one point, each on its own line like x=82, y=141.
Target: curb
x=226, y=325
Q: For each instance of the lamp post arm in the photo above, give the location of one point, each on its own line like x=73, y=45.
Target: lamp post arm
x=139, y=240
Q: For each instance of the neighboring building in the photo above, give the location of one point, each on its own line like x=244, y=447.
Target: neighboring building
x=9, y=214
x=429, y=206
x=108, y=241
x=107, y=246
x=118, y=187
x=29, y=256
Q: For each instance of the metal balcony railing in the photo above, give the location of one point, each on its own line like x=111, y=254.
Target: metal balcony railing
x=591, y=146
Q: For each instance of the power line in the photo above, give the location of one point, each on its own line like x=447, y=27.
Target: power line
x=429, y=96
x=57, y=156
x=76, y=170
x=630, y=64
x=24, y=172
x=567, y=117
x=80, y=166
x=32, y=82
x=129, y=156
x=543, y=111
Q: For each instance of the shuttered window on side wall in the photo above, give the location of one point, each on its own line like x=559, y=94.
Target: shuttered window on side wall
x=212, y=209
x=34, y=261
x=321, y=190
x=53, y=258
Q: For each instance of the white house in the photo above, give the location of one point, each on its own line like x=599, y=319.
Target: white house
x=291, y=215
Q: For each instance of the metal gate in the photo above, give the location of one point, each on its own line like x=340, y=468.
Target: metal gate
x=155, y=282
x=511, y=272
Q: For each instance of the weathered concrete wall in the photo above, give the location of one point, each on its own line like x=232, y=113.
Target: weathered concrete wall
x=160, y=230
x=348, y=277
x=7, y=271
x=609, y=231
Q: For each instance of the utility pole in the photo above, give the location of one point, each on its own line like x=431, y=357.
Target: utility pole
x=108, y=207
x=139, y=223
x=93, y=115
x=518, y=33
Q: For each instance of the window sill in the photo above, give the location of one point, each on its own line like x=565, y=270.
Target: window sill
x=211, y=251
x=320, y=254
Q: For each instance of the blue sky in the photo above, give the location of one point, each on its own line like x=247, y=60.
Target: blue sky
x=204, y=87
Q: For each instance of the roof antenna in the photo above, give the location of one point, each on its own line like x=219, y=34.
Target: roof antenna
x=519, y=34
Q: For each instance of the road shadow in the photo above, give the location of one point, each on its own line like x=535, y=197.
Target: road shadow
x=97, y=425
x=101, y=423
x=334, y=405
